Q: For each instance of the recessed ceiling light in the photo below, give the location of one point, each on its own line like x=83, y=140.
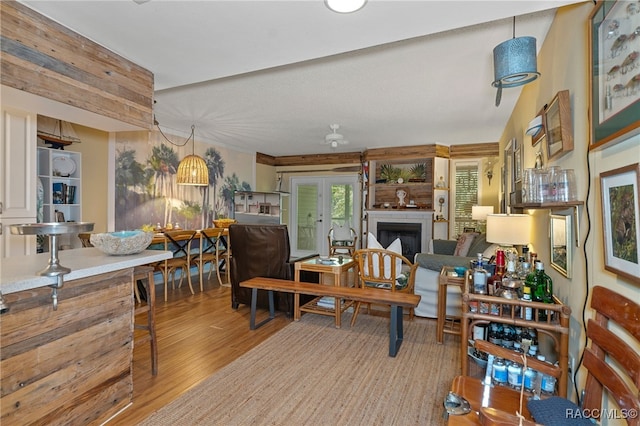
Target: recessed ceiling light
x=345, y=6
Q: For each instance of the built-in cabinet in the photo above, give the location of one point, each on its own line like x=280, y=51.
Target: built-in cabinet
x=400, y=184
x=416, y=184
x=18, y=180
x=59, y=172
x=259, y=207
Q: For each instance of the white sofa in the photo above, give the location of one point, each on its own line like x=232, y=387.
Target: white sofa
x=440, y=253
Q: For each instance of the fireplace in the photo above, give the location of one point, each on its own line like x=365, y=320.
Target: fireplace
x=423, y=232
x=410, y=235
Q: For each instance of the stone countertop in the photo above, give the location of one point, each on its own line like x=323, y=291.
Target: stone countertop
x=20, y=273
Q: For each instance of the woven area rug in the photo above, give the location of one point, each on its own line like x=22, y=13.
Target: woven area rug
x=311, y=373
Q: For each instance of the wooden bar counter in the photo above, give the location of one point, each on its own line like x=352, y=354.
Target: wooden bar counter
x=72, y=365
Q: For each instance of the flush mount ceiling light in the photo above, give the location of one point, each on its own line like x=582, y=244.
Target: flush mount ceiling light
x=345, y=6
x=514, y=63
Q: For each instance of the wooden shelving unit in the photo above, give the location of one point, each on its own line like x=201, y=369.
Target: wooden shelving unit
x=556, y=326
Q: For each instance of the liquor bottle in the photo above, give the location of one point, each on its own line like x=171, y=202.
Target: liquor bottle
x=527, y=311
x=479, y=277
x=495, y=281
x=543, y=291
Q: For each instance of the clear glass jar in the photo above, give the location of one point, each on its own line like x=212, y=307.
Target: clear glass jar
x=565, y=183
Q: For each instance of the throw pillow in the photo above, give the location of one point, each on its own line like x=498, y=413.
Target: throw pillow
x=395, y=246
x=557, y=411
x=490, y=251
x=464, y=242
x=342, y=232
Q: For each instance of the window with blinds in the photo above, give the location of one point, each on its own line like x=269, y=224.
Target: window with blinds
x=466, y=195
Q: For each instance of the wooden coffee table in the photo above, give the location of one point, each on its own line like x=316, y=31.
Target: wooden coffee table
x=335, y=273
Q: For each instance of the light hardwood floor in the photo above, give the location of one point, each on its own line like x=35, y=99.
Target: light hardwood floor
x=197, y=335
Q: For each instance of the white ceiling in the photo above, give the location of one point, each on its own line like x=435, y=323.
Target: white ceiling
x=271, y=76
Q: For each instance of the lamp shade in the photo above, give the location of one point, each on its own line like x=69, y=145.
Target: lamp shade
x=509, y=229
x=481, y=212
x=515, y=62
x=193, y=170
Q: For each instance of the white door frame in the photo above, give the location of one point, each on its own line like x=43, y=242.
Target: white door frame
x=323, y=213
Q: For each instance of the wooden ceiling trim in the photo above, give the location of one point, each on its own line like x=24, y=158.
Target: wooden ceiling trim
x=265, y=159
x=475, y=150
x=43, y=57
x=318, y=159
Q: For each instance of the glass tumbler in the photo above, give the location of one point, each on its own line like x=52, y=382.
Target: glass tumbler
x=528, y=186
x=542, y=186
x=565, y=182
x=554, y=172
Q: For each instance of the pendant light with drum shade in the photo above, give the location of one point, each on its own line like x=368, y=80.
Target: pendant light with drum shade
x=192, y=169
x=514, y=63
x=345, y=6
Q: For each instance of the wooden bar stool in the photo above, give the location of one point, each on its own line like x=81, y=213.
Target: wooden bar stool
x=145, y=275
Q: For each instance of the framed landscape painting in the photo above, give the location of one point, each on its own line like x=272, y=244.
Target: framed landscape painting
x=614, y=43
x=621, y=223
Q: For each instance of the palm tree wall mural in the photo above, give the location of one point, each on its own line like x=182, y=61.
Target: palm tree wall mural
x=146, y=188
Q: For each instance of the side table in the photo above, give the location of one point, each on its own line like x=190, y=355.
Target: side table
x=341, y=274
x=444, y=325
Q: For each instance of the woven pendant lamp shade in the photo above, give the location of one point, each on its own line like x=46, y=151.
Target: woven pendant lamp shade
x=193, y=170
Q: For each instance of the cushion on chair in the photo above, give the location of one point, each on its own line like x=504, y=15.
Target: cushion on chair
x=342, y=232
x=395, y=246
x=464, y=243
x=557, y=411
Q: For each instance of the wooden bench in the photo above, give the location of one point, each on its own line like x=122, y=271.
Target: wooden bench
x=396, y=300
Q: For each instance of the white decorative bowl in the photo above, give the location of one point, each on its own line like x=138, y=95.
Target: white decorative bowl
x=122, y=242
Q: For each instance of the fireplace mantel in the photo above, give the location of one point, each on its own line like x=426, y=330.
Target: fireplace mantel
x=424, y=217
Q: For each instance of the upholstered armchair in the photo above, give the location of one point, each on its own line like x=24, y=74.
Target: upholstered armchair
x=259, y=251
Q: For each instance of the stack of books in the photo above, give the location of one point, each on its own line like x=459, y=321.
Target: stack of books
x=63, y=193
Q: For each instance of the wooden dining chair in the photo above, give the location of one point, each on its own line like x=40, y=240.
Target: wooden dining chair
x=179, y=243
x=214, y=251
x=385, y=270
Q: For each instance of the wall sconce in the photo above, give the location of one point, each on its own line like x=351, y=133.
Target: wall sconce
x=488, y=168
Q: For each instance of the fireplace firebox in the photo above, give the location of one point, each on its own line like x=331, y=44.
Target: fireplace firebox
x=410, y=235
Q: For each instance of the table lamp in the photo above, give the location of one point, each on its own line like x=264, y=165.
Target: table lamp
x=479, y=213
x=508, y=230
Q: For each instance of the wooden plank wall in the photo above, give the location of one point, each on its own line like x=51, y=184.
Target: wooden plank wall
x=73, y=365
x=44, y=58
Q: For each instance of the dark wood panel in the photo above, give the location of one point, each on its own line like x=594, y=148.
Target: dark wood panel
x=406, y=152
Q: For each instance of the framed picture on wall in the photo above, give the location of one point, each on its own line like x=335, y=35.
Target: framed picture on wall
x=620, y=217
x=559, y=127
x=613, y=57
x=561, y=243
x=517, y=161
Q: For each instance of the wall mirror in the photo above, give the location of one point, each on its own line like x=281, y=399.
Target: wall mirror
x=560, y=243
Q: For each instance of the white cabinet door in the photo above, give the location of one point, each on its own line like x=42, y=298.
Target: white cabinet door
x=18, y=159
x=18, y=199
x=16, y=245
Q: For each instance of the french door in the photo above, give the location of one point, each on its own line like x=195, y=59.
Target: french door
x=319, y=202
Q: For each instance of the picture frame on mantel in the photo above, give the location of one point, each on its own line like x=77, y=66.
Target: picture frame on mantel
x=614, y=101
x=621, y=221
x=559, y=128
